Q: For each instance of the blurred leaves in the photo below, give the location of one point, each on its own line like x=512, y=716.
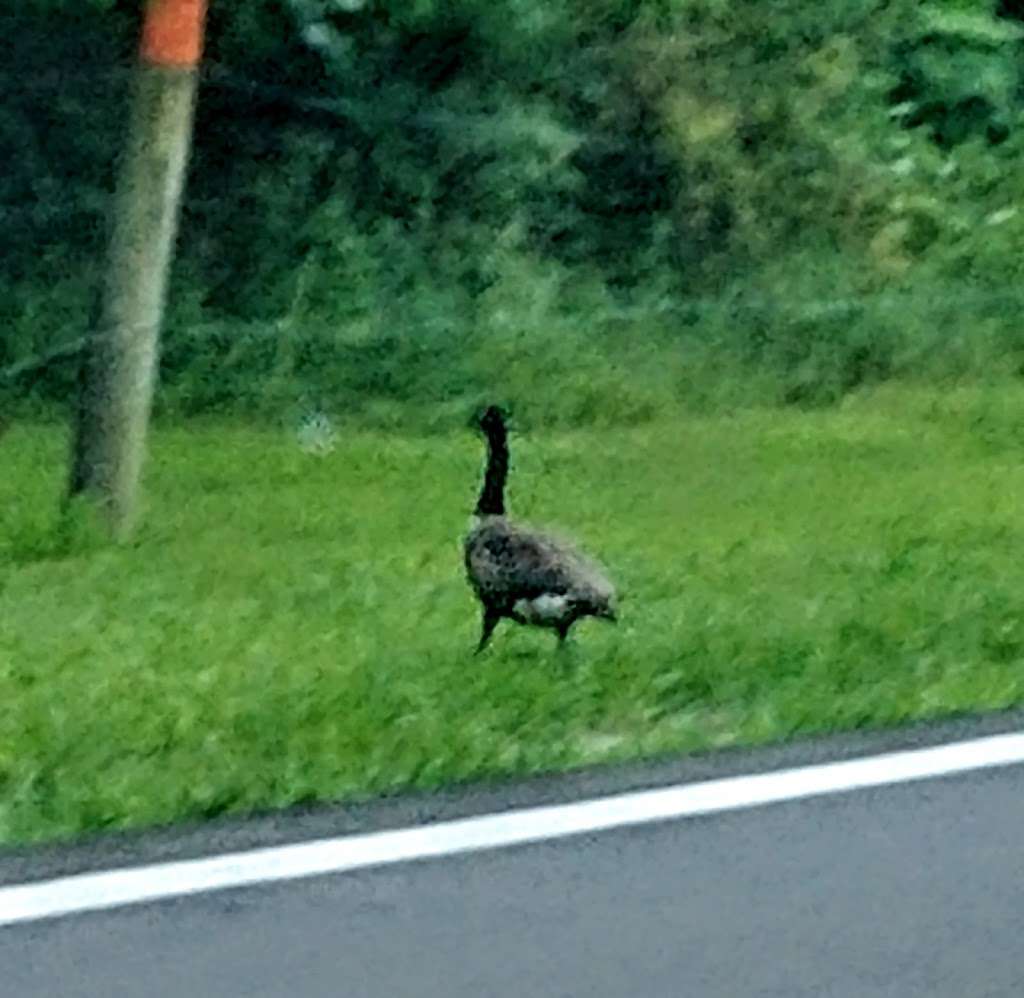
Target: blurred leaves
x=417, y=181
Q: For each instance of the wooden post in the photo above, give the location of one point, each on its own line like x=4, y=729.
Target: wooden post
x=119, y=368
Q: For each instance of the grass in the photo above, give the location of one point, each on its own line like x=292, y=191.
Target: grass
x=290, y=627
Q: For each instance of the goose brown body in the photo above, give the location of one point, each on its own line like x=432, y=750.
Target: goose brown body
x=521, y=573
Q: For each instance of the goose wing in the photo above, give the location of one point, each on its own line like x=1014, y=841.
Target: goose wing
x=504, y=559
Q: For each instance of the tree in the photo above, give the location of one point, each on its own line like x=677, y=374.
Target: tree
x=119, y=370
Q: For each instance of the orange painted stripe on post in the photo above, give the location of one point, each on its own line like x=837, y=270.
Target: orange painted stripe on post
x=172, y=32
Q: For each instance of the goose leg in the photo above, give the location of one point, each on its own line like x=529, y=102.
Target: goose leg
x=490, y=621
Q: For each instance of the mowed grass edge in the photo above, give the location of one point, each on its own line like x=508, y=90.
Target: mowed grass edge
x=290, y=627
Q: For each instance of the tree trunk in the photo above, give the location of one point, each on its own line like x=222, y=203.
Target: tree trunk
x=119, y=369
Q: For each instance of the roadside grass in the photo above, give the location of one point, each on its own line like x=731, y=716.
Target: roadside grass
x=289, y=627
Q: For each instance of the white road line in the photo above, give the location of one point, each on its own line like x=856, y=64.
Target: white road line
x=114, y=888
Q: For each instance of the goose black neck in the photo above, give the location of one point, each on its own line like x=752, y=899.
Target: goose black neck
x=492, y=495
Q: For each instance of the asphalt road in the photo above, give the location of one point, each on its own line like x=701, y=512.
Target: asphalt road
x=905, y=891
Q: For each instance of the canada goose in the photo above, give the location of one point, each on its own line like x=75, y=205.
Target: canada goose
x=518, y=572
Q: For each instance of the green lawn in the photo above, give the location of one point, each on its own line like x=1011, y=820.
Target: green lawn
x=290, y=627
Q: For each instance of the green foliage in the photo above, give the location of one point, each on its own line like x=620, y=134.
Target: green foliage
x=397, y=209
x=292, y=627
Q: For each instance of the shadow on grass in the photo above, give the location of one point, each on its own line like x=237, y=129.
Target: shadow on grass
x=74, y=530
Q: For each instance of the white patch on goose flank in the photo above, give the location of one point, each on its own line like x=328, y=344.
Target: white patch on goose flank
x=545, y=609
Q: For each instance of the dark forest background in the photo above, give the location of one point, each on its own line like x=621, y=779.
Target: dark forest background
x=597, y=209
